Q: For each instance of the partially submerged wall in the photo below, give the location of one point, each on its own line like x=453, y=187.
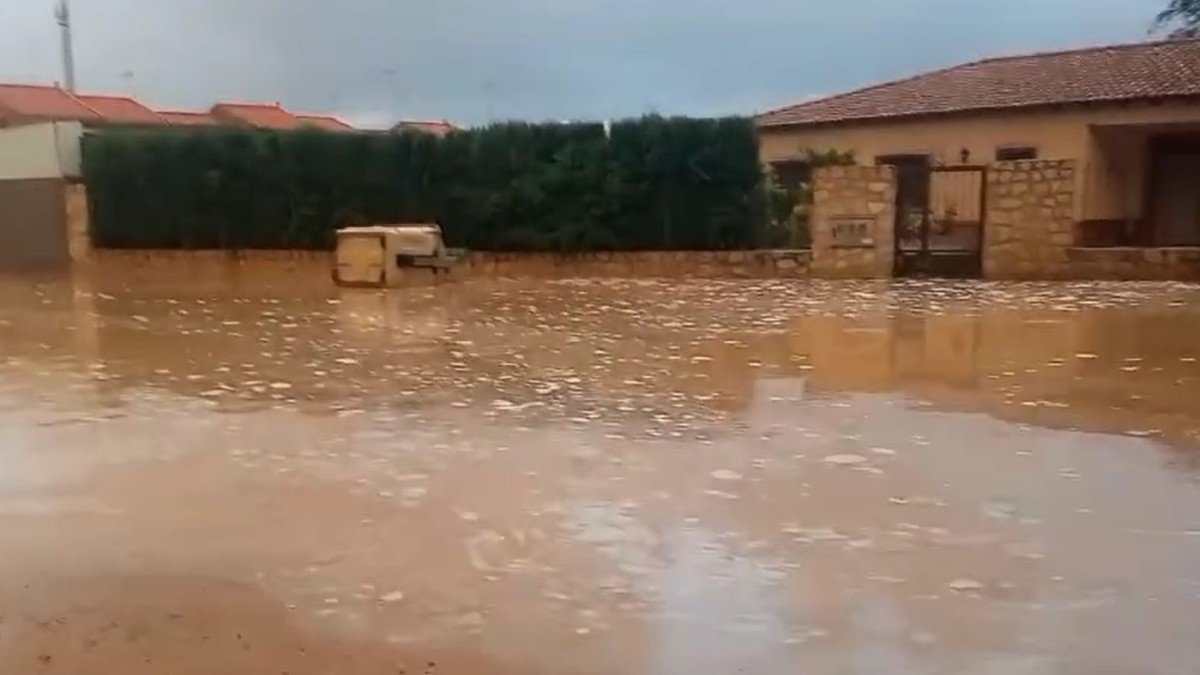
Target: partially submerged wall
x=33, y=229
x=1030, y=219
x=1175, y=262
x=768, y=264
x=1082, y=263
x=853, y=221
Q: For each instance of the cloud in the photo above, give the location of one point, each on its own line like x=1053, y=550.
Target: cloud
x=472, y=60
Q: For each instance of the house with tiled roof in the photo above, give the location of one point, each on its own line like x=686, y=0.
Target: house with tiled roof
x=1117, y=127
x=438, y=128
x=122, y=110
x=187, y=118
x=22, y=104
x=324, y=122
x=258, y=115
x=30, y=103
x=273, y=116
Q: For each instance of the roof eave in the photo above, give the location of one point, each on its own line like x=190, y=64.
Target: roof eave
x=968, y=112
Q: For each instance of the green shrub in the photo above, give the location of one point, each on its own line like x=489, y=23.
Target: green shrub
x=650, y=183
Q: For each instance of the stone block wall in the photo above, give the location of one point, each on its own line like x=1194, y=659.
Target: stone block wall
x=758, y=264
x=1130, y=263
x=1029, y=226
x=856, y=197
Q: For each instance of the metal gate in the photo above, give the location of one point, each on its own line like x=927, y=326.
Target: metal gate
x=939, y=219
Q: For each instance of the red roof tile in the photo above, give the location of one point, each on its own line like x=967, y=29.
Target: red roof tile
x=1148, y=70
x=120, y=109
x=326, y=122
x=42, y=102
x=435, y=127
x=187, y=118
x=261, y=115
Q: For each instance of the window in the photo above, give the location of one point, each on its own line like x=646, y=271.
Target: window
x=792, y=173
x=1013, y=153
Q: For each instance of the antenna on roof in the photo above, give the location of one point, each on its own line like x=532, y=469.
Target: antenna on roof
x=62, y=13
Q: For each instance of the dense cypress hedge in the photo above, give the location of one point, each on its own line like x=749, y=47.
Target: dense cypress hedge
x=651, y=183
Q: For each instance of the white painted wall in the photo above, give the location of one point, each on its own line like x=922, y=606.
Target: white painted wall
x=46, y=150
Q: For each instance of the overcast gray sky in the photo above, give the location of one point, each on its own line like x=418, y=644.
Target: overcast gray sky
x=475, y=60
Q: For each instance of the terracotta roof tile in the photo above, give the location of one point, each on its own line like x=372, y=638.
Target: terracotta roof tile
x=261, y=115
x=187, y=118
x=43, y=102
x=120, y=109
x=1147, y=70
x=326, y=122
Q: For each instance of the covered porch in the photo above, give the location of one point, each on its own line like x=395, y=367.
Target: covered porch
x=1140, y=208
x=1142, y=187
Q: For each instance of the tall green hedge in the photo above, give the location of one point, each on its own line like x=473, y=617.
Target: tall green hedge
x=650, y=183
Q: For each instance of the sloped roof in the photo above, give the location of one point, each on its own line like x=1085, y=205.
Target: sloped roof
x=44, y=102
x=1147, y=70
x=187, y=118
x=435, y=127
x=261, y=115
x=326, y=122
x=120, y=109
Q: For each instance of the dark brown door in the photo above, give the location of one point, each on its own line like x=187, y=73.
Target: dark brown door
x=1175, y=195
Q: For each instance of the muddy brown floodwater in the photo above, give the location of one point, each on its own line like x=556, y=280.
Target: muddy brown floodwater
x=269, y=475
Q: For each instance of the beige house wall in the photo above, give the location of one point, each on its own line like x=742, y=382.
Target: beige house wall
x=1110, y=144
x=44, y=150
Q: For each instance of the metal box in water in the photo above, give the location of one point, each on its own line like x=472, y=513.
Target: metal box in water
x=391, y=255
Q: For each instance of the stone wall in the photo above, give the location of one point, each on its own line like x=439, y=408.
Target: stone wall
x=1029, y=226
x=1176, y=262
x=764, y=264
x=207, y=267
x=853, y=221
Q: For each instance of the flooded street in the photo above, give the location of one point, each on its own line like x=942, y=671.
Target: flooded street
x=608, y=477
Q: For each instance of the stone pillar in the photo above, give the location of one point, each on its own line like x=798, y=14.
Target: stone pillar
x=1029, y=226
x=853, y=221
x=79, y=233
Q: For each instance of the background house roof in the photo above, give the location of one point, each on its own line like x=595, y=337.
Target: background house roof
x=435, y=127
x=261, y=115
x=20, y=103
x=326, y=122
x=120, y=109
x=1145, y=70
x=44, y=102
x=187, y=118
